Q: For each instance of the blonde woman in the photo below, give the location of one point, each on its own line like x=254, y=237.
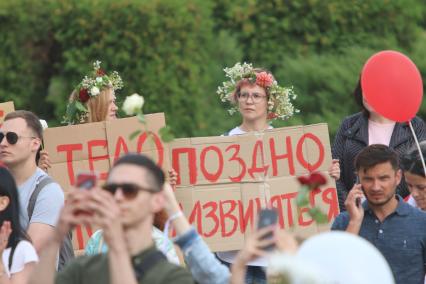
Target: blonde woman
x=93, y=100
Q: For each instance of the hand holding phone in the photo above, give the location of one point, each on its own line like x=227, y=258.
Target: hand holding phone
x=86, y=180
x=358, y=199
x=267, y=217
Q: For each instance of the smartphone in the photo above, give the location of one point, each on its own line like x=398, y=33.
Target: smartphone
x=267, y=217
x=86, y=180
x=358, y=200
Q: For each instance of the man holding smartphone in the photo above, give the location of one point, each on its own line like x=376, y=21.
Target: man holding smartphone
x=124, y=209
x=394, y=227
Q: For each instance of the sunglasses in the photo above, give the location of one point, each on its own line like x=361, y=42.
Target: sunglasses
x=12, y=137
x=129, y=190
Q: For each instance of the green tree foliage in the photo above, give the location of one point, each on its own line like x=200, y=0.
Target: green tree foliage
x=173, y=51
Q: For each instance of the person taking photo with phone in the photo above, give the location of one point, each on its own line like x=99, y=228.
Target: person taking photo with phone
x=124, y=209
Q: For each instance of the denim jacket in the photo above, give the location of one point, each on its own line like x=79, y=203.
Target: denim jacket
x=205, y=267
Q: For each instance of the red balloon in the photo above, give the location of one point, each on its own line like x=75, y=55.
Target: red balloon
x=392, y=85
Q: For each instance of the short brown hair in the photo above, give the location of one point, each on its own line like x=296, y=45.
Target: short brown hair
x=376, y=154
x=30, y=118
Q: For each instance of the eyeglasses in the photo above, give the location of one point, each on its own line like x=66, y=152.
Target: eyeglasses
x=130, y=190
x=255, y=97
x=12, y=137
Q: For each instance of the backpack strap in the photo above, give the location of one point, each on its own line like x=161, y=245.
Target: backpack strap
x=41, y=183
x=151, y=260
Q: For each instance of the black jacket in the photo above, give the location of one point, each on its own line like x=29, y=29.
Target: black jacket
x=352, y=137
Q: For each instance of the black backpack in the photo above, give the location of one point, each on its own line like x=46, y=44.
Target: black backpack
x=66, y=252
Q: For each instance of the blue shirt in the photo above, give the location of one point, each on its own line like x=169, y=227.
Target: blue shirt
x=401, y=238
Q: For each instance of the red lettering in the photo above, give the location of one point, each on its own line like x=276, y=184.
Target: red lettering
x=247, y=218
x=191, y=164
x=97, y=143
x=211, y=177
x=157, y=141
x=300, y=155
x=302, y=222
x=212, y=214
x=120, y=147
x=254, y=168
x=289, y=197
x=329, y=196
x=288, y=155
x=228, y=215
x=238, y=160
x=69, y=148
x=277, y=204
x=196, y=216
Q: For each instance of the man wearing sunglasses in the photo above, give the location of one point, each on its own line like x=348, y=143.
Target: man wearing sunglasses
x=124, y=209
x=20, y=141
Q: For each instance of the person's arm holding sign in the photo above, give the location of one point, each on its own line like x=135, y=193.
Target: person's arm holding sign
x=205, y=268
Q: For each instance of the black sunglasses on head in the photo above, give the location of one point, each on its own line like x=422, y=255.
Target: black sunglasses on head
x=129, y=190
x=12, y=137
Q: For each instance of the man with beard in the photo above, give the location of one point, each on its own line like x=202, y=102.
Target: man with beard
x=394, y=227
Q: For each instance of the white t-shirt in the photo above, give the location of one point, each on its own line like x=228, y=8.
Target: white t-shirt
x=24, y=253
x=229, y=256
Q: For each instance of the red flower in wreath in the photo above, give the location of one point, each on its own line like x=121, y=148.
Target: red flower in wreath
x=100, y=72
x=272, y=115
x=264, y=79
x=83, y=95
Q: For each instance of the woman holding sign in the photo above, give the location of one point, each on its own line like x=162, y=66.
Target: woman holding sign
x=256, y=95
x=17, y=253
x=386, y=116
x=93, y=100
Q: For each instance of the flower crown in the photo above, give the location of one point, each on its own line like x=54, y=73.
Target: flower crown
x=279, y=102
x=90, y=87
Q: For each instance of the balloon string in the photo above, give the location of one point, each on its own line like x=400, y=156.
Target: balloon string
x=418, y=147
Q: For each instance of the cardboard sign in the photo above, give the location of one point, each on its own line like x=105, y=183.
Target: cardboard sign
x=224, y=181
x=5, y=108
x=95, y=147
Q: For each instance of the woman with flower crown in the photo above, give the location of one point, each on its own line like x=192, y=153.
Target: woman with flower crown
x=93, y=100
x=256, y=95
